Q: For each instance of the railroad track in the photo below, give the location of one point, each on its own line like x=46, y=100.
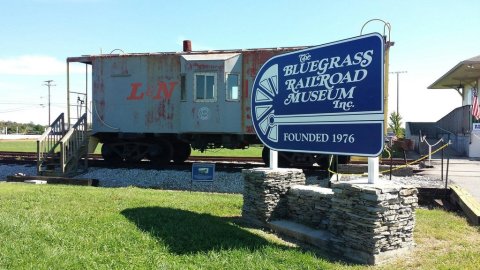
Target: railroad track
x=29, y=157
x=225, y=159
x=18, y=157
x=94, y=159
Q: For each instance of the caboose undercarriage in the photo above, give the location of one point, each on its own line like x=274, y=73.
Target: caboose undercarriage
x=165, y=148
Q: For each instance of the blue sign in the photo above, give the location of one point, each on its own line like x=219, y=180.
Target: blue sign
x=324, y=99
x=203, y=172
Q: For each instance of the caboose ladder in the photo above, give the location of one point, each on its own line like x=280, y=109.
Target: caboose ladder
x=60, y=153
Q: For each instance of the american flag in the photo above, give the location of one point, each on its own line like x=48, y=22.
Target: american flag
x=475, y=109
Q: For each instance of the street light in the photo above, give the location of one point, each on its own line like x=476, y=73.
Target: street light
x=398, y=88
x=373, y=162
x=386, y=35
x=49, y=84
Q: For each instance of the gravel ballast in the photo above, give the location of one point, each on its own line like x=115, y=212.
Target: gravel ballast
x=7, y=170
x=224, y=182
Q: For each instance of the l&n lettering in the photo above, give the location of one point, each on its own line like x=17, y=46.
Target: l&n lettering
x=137, y=94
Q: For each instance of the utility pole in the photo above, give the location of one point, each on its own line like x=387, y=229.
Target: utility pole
x=398, y=88
x=49, y=84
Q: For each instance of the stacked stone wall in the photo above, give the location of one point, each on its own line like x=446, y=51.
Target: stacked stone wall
x=310, y=205
x=360, y=168
x=264, y=195
x=368, y=223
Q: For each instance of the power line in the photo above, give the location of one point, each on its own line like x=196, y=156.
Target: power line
x=31, y=103
x=16, y=109
x=49, y=84
x=19, y=103
x=398, y=88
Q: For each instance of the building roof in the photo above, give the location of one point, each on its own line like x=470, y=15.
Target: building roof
x=465, y=72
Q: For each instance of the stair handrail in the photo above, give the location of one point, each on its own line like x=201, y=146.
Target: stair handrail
x=50, y=139
x=72, y=142
x=457, y=121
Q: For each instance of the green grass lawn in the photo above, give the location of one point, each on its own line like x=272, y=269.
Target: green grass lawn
x=67, y=227
x=31, y=146
x=253, y=151
x=18, y=145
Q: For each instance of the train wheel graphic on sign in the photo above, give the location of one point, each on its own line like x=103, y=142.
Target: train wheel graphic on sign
x=330, y=110
x=266, y=91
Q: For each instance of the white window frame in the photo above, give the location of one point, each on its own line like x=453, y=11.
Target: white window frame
x=215, y=86
x=227, y=90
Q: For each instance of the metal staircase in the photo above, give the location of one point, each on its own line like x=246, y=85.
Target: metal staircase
x=63, y=148
x=61, y=152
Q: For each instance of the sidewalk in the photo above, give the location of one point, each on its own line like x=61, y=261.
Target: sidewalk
x=462, y=171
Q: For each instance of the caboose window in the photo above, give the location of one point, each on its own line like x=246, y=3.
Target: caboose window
x=205, y=86
x=232, y=87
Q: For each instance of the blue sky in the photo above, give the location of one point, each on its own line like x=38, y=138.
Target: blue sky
x=38, y=35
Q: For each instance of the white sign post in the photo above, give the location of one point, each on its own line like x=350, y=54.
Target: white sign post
x=273, y=159
x=373, y=169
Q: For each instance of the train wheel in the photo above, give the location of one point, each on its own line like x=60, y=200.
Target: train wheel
x=344, y=159
x=264, y=112
x=181, y=152
x=322, y=160
x=266, y=156
x=161, y=152
x=134, y=152
x=284, y=159
x=109, y=154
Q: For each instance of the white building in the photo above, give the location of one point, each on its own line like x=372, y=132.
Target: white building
x=459, y=125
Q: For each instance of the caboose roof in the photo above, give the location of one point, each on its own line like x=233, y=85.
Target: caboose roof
x=193, y=55
x=210, y=56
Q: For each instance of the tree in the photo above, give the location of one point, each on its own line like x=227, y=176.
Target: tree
x=22, y=128
x=395, y=124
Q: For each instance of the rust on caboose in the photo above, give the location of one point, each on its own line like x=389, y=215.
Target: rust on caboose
x=252, y=62
x=161, y=102
x=143, y=92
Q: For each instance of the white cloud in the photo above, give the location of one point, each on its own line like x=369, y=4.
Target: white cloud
x=33, y=65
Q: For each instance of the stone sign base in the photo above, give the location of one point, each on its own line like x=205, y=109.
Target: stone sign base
x=361, y=222
x=265, y=192
x=362, y=168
